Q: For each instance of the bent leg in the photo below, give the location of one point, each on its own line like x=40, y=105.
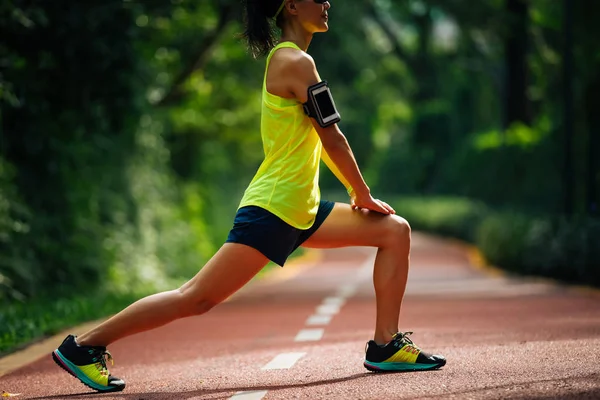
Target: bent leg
x=391, y=235
x=226, y=272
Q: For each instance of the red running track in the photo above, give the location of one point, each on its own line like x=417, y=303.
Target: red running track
x=504, y=338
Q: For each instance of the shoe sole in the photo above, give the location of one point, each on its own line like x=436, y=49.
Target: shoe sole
x=401, y=367
x=61, y=362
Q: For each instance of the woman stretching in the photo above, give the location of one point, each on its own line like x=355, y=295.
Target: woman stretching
x=281, y=208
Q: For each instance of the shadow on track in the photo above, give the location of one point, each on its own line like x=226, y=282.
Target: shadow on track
x=570, y=393
x=222, y=393
x=225, y=393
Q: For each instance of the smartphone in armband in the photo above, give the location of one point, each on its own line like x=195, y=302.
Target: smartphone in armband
x=320, y=105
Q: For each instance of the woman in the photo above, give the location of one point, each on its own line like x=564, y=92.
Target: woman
x=280, y=211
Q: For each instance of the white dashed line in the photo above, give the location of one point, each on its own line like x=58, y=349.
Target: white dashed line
x=323, y=315
x=365, y=271
x=347, y=290
x=309, y=335
x=253, y=395
x=318, y=320
x=328, y=309
x=283, y=361
x=337, y=301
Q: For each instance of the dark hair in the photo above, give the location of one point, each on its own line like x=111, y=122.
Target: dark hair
x=260, y=28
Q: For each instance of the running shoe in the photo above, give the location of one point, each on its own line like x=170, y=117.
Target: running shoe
x=88, y=364
x=400, y=354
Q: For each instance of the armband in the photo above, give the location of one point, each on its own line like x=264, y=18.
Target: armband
x=320, y=105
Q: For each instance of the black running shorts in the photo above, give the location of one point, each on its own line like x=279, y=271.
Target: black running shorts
x=269, y=234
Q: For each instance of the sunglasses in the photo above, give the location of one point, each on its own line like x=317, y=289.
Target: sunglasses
x=320, y=1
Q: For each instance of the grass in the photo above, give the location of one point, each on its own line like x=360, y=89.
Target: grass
x=24, y=323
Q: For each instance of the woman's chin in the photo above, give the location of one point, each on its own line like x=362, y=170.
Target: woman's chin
x=322, y=27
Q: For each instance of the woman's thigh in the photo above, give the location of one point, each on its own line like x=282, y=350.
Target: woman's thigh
x=347, y=227
x=232, y=266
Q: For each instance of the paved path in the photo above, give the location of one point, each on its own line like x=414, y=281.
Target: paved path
x=301, y=335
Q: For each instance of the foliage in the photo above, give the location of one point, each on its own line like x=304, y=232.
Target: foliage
x=553, y=246
x=67, y=133
x=517, y=174
x=14, y=226
x=557, y=247
x=130, y=130
x=452, y=216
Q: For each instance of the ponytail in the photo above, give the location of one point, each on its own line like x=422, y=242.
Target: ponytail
x=260, y=28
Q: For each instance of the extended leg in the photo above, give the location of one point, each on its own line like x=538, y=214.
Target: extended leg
x=85, y=357
x=227, y=271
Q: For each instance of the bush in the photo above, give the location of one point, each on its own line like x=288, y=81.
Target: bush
x=501, y=238
x=553, y=246
x=557, y=247
x=452, y=216
x=15, y=261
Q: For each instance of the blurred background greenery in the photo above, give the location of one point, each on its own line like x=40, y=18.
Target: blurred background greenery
x=131, y=128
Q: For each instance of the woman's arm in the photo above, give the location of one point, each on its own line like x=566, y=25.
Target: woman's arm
x=302, y=74
x=333, y=168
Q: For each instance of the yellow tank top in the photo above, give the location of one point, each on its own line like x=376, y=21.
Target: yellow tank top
x=287, y=181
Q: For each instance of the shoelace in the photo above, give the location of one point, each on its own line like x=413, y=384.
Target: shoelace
x=401, y=338
x=101, y=357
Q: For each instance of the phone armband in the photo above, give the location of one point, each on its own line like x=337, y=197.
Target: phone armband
x=320, y=105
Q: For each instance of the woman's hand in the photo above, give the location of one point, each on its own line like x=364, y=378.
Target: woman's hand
x=367, y=201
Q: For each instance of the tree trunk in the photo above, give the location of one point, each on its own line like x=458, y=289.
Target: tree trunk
x=517, y=107
x=592, y=104
x=568, y=175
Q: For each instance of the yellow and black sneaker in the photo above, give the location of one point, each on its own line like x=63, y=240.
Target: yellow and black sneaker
x=88, y=364
x=400, y=354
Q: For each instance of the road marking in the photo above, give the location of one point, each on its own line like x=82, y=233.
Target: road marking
x=331, y=305
x=365, y=271
x=338, y=301
x=309, y=335
x=253, y=395
x=318, y=319
x=328, y=309
x=283, y=361
x=347, y=290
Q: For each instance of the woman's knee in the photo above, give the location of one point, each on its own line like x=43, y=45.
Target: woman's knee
x=397, y=231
